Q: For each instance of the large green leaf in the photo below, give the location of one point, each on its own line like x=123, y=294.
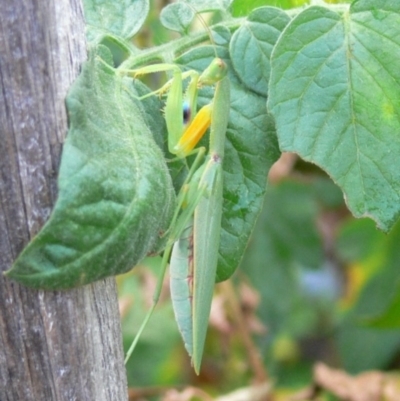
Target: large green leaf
x=335, y=96
x=115, y=193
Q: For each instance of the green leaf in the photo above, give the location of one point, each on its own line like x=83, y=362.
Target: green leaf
x=335, y=96
x=252, y=45
x=177, y=17
x=250, y=151
x=122, y=18
x=221, y=35
x=115, y=193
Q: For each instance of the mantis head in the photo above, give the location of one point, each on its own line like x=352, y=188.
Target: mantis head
x=216, y=71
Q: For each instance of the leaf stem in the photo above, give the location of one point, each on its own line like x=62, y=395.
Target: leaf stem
x=176, y=47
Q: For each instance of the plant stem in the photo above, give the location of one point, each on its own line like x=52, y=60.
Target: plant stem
x=174, y=48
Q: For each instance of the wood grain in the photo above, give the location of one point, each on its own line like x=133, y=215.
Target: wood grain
x=53, y=345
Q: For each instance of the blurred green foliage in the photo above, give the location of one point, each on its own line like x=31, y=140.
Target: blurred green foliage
x=244, y=7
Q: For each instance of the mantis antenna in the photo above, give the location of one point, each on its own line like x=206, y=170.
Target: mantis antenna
x=205, y=26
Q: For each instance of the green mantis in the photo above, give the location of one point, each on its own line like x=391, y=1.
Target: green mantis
x=193, y=236
x=194, y=256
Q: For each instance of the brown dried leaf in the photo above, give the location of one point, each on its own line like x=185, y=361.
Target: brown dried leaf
x=250, y=299
x=124, y=305
x=282, y=168
x=364, y=387
x=259, y=392
x=218, y=316
x=186, y=395
x=391, y=389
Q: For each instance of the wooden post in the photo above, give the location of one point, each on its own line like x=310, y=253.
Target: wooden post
x=53, y=345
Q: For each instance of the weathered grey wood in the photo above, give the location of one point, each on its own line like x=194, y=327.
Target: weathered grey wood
x=53, y=345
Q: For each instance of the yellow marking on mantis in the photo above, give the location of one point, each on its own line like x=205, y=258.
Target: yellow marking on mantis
x=194, y=132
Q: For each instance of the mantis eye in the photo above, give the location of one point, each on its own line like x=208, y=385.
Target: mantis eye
x=186, y=112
